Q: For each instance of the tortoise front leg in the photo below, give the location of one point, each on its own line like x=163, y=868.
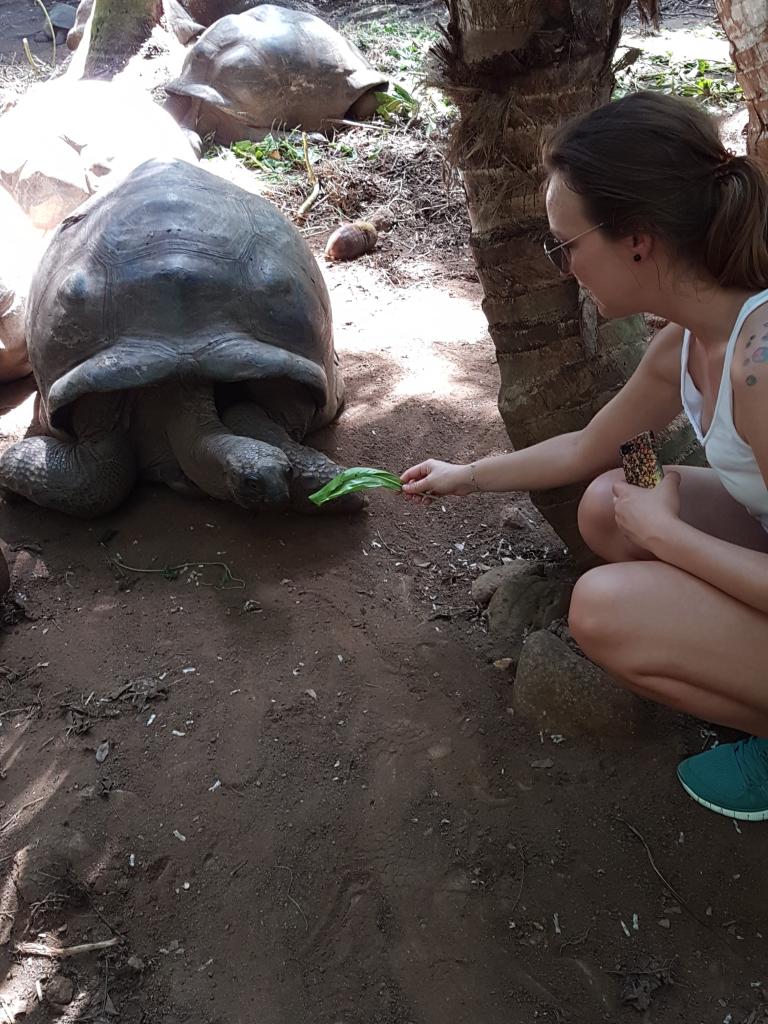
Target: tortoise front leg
x=87, y=476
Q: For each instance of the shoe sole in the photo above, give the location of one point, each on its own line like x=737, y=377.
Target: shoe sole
x=741, y=815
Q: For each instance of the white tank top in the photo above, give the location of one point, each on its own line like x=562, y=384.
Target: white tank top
x=727, y=453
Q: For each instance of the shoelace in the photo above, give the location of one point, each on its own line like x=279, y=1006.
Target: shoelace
x=752, y=757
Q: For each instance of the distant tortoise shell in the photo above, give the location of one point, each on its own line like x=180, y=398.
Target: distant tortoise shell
x=178, y=272
x=272, y=66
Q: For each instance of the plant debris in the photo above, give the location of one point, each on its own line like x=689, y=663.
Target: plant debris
x=638, y=986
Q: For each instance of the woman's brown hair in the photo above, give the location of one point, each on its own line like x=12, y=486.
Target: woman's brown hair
x=654, y=163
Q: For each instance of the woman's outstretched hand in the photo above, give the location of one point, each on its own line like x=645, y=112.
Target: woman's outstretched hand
x=432, y=479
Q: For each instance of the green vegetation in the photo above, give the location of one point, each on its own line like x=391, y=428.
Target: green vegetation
x=712, y=81
x=360, y=478
x=400, y=49
x=278, y=155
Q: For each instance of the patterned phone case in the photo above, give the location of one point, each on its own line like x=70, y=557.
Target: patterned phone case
x=640, y=461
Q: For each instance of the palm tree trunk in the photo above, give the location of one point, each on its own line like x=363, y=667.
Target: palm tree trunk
x=516, y=69
x=116, y=31
x=745, y=22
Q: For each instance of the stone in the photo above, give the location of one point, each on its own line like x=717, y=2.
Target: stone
x=51, y=183
x=513, y=518
x=5, y=575
x=563, y=692
x=531, y=598
x=59, y=990
x=68, y=853
x=485, y=586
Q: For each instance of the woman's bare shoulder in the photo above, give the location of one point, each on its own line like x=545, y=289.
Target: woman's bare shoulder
x=662, y=357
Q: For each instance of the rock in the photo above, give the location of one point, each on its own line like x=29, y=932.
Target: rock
x=37, y=865
x=51, y=183
x=513, y=518
x=59, y=990
x=531, y=598
x=5, y=575
x=564, y=693
x=485, y=586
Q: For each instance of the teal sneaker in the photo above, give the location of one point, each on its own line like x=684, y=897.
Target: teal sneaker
x=731, y=779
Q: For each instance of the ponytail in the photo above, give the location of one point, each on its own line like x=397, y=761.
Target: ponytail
x=736, y=247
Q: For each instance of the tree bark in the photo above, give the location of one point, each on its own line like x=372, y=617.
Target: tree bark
x=116, y=31
x=517, y=69
x=745, y=22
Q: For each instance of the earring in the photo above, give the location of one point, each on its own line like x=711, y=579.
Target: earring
x=637, y=257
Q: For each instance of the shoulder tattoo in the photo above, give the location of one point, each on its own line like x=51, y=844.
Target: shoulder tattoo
x=755, y=357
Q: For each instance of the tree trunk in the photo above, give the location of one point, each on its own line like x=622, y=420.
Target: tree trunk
x=516, y=69
x=745, y=22
x=115, y=32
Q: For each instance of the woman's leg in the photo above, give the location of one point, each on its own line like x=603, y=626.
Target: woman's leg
x=671, y=638
x=674, y=639
x=704, y=503
x=663, y=632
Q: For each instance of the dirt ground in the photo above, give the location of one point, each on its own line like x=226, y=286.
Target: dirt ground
x=294, y=792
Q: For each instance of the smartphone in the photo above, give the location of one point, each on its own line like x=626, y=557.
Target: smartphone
x=640, y=460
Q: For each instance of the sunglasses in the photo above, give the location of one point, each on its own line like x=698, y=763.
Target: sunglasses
x=557, y=251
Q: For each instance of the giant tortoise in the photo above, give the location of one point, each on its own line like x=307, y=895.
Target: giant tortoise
x=271, y=67
x=179, y=330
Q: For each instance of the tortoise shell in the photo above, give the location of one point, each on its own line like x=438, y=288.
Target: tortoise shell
x=272, y=66
x=178, y=272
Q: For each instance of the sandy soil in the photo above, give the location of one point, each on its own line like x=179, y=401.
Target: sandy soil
x=315, y=806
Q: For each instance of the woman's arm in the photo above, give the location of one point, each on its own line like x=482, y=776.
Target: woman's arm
x=649, y=400
x=739, y=572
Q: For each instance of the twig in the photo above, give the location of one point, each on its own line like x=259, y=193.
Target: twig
x=309, y=202
x=33, y=61
x=357, y=124
x=51, y=29
x=671, y=888
x=522, y=882
x=96, y=910
x=3, y=1007
x=41, y=949
x=282, y=867
x=227, y=581
x=389, y=549
x=577, y=941
x=667, y=885
x=10, y=821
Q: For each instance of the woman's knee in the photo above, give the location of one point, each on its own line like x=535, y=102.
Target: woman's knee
x=593, y=600
x=597, y=521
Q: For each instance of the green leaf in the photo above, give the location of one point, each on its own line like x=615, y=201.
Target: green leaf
x=404, y=94
x=359, y=478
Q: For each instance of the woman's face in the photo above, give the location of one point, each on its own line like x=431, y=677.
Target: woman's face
x=605, y=267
